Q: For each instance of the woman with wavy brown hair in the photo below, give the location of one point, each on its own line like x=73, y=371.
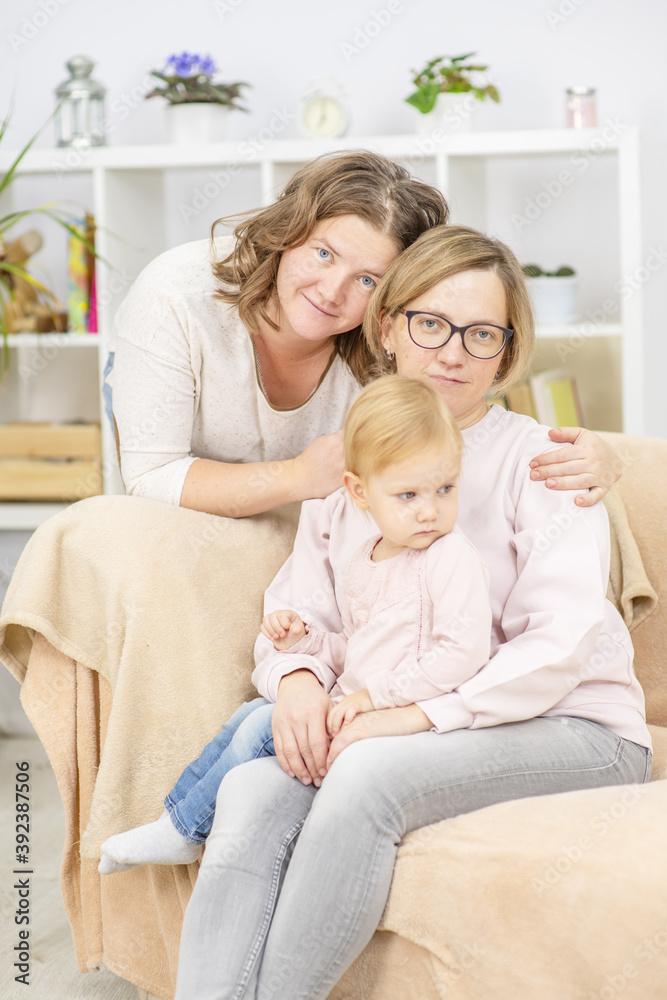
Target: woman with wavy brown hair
x=236, y=361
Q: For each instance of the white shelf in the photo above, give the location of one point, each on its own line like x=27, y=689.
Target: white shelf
x=27, y=516
x=53, y=340
x=157, y=157
x=554, y=331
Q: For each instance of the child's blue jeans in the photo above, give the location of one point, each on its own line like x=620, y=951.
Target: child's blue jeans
x=246, y=736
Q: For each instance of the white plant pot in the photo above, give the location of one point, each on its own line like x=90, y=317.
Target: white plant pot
x=452, y=114
x=554, y=299
x=193, y=123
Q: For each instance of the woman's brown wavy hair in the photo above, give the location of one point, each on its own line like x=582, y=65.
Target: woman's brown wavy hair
x=359, y=183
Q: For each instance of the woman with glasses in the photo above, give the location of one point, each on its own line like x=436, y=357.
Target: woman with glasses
x=296, y=873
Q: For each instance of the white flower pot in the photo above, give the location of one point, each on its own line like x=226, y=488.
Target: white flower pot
x=193, y=123
x=554, y=299
x=453, y=113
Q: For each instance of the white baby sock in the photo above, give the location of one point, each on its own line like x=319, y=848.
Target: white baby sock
x=109, y=867
x=157, y=843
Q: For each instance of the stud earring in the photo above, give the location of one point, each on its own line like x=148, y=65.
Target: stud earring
x=390, y=356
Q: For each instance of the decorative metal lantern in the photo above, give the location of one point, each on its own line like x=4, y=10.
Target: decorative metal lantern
x=81, y=107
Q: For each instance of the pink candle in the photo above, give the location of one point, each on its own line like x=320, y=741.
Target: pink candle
x=580, y=107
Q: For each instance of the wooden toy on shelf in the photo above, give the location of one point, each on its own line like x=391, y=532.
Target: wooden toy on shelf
x=30, y=306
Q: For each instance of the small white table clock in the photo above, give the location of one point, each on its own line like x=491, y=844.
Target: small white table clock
x=324, y=112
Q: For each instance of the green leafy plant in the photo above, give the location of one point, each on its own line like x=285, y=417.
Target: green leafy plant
x=449, y=75
x=188, y=79
x=535, y=271
x=13, y=271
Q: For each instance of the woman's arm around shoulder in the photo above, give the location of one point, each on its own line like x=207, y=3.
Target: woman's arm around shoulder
x=590, y=464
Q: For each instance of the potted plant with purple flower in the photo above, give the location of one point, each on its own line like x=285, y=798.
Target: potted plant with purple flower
x=198, y=105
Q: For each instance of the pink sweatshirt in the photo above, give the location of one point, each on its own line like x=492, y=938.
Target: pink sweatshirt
x=558, y=647
x=414, y=626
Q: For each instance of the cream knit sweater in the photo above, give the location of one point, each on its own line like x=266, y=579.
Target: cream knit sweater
x=185, y=384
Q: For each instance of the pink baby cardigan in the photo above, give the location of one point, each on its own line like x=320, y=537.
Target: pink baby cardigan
x=414, y=626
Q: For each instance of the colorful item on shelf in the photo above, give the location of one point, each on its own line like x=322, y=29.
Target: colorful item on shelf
x=92, y=312
x=80, y=275
x=555, y=396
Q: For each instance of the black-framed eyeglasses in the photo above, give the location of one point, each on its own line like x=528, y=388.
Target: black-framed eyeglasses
x=431, y=331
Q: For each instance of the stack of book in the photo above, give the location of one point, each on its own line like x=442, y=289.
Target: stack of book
x=81, y=299
x=551, y=397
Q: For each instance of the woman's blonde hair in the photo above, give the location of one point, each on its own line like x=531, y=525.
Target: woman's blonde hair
x=394, y=418
x=359, y=183
x=438, y=254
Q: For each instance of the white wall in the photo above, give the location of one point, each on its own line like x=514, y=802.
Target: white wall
x=535, y=48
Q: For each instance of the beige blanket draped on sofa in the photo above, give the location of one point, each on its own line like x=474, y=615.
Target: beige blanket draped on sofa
x=131, y=625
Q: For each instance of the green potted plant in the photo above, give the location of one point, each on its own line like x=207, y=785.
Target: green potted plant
x=553, y=293
x=447, y=90
x=198, y=107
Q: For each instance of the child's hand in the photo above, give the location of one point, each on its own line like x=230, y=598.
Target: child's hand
x=346, y=710
x=283, y=629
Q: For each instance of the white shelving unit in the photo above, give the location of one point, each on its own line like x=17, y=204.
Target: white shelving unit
x=27, y=516
x=54, y=341
x=154, y=197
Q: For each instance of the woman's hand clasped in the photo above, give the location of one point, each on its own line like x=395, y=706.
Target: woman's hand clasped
x=589, y=464
x=318, y=470
x=300, y=736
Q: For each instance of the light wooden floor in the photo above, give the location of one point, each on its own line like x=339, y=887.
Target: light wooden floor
x=54, y=975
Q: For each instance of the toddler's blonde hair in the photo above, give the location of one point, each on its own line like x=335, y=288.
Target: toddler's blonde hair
x=393, y=418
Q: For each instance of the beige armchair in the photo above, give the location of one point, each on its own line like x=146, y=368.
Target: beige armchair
x=131, y=629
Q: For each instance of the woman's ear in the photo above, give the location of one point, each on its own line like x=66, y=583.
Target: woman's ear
x=386, y=326
x=355, y=488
